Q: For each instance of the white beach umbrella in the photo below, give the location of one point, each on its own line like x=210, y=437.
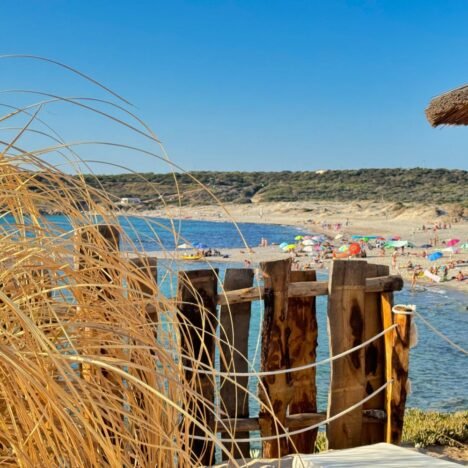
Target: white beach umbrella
x=308, y=242
x=184, y=246
x=338, y=236
x=308, y=248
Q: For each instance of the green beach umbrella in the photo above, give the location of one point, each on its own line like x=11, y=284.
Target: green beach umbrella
x=298, y=238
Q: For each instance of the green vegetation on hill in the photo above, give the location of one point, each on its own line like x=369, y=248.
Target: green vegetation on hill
x=394, y=185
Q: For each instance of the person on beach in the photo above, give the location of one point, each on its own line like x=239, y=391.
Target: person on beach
x=460, y=276
x=394, y=259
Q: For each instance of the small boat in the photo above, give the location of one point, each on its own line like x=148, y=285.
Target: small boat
x=192, y=257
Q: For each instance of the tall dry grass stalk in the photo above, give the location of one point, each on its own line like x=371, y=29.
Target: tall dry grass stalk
x=90, y=350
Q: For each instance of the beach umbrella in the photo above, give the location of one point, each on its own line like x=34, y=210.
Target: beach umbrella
x=354, y=249
x=289, y=247
x=184, y=246
x=200, y=245
x=298, y=238
x=283, y=245
x=308, y=242
x=452, y=242
x=435, y=256
x=338, y=236
x=343, y=248
x=308, y=248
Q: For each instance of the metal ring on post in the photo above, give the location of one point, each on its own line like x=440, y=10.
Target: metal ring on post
x=403, y=309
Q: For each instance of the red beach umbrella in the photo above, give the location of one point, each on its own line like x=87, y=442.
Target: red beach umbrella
x=354, y=249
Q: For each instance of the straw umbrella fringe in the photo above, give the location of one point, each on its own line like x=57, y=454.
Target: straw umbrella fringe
x=450, y=108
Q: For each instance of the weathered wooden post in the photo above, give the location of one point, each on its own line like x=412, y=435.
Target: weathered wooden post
x=197, y=293
x=275, y=391
x=145, y=288
x=94, y=245
x=234, y=339
x=397, y=364
x=374, y=356
x=346, y=329
x=302, y=345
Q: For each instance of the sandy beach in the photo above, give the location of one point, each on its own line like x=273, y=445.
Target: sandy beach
x=363, y=218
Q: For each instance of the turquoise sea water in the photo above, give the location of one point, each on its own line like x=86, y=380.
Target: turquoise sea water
x=438, y=372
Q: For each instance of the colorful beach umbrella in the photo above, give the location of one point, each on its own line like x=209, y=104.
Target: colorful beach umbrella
x=283, y=245
x=298, y=238
x=435, y=256
x=289, y=247
x=343, y=248
x=452, y=242
x=200, y=245
x=354, y=249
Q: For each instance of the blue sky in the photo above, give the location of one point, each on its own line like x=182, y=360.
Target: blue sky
x=251, y=85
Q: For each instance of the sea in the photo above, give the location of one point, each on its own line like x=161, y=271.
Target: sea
x=438, y=372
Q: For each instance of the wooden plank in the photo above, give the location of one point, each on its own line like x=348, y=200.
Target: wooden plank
x=297, y=421
x=374, y=355
x=275, y=391
x=308, y=289
x=387, y=321
x=234, y=338
x=399, y=368
x=302, y=345
x=385, y=283
x=346, y=328
x=197, y=290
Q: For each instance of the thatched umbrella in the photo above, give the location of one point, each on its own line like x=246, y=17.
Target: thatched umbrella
x=450, y=108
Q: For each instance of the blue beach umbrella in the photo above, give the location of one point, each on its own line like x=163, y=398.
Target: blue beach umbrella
x=435, y=256
x=200, y=245
x=283, y=245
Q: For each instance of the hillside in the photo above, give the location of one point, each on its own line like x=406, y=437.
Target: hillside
x=390, y=185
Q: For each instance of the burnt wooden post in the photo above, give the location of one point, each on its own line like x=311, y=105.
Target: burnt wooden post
x=302, y=344
x=346, y=329
x=397, y=364
x=374, y=356
x=275, y=391
x=234, y=340
x=197, y=293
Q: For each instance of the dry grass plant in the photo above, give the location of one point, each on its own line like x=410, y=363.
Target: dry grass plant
x=90, y=349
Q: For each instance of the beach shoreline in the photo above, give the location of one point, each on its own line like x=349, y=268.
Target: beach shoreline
x=363, y=218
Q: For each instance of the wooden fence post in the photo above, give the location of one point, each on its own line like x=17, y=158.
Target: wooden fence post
x=92, y=242
x=234, y=339
x=147, y=286
x=397, y=365
x=197, y=292
x=276, y=391
x=374, y=354
x=346, y=329
x=302, y=345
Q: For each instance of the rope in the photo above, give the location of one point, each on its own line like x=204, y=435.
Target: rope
x=298, y=431
x=411, y=310
x=437, y=332
x=291, y=369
